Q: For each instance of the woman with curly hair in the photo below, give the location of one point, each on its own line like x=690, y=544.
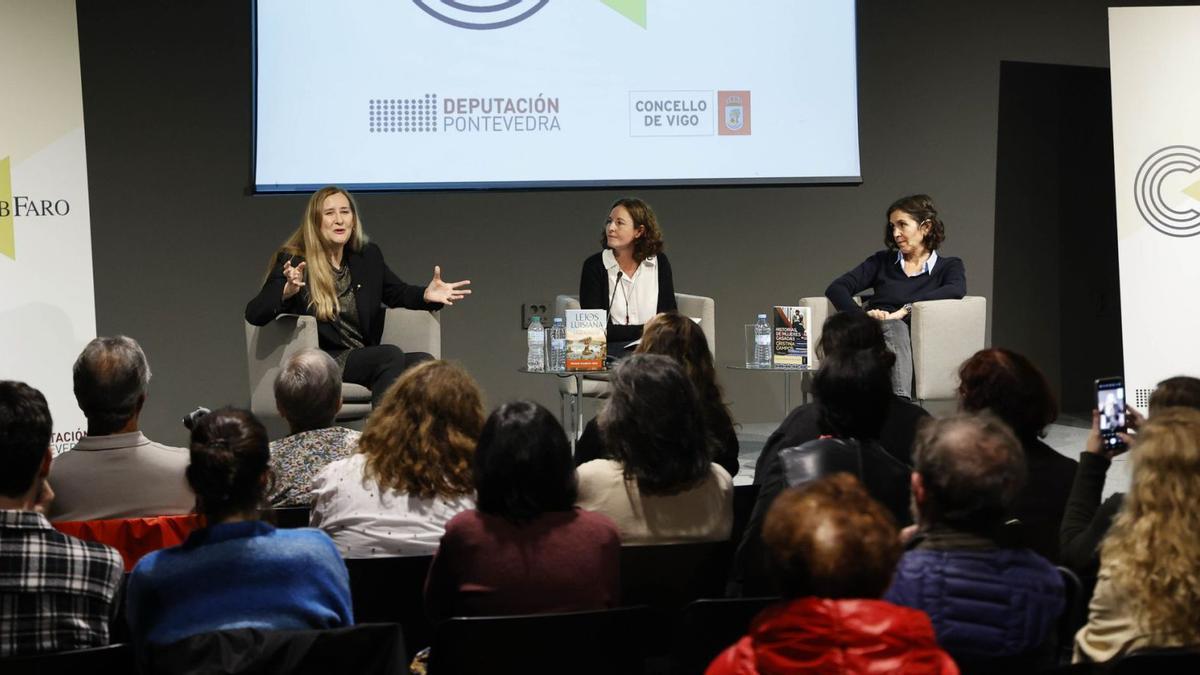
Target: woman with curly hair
x=1148, y=592
x=411, y=472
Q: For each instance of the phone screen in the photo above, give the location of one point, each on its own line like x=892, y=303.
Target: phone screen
x=1110, y=401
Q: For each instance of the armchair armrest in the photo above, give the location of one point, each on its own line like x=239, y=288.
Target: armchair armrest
x=413, y=330
x=267, y=347
x=944, y=334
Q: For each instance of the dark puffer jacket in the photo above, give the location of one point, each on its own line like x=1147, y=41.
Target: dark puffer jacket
x=984, y=602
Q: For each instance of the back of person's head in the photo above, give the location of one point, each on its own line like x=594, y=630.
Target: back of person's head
x=1179, y=391
x=308, y=390
x=230, y=458
x=1011, y=387
x=852, y=392
x=523, y=464
x=675, y=335
x=1154, y=545
x=420, y=438
x=111, y=376
x=25, y=431
x=653, y=425
x=829, y=539
x=847, y=332
x=972, y=468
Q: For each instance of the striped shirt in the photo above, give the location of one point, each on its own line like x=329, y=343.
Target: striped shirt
x=56, y=592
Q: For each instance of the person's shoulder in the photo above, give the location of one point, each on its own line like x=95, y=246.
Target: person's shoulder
x=903, y=408
x=721, y=476
x=600, y=467
x=596, y=521
x=594, y=261
x=465, y=522
x=169, y=452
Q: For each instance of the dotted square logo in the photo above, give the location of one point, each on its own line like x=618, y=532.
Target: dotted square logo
x=403, y=115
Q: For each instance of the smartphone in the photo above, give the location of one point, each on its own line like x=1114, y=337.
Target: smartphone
x=1110, y=401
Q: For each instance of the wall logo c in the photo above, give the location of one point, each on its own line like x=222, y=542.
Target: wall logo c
x=1163, y=200
x=481, y=14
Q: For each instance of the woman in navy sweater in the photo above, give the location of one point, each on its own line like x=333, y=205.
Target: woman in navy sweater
x=907, y=271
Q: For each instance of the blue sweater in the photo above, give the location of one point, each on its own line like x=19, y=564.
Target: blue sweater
x=239, y=575
x=893, y=288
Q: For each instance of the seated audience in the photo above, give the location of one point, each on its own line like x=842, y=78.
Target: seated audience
x=308, y=394
x=525, y=548
x=985, y=601
x=842, y=333
x=675, y=335
x=115, y=471
x=833, y=550
x=661, y=485
x=1010, y=387
x=238, y=572
x=853, y=391
x=1086, y=520
x=1148, y=593
x=411, y=472
x=56, y=592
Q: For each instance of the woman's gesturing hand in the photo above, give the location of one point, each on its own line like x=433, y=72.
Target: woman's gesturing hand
x=294, y=277
x=445, y=292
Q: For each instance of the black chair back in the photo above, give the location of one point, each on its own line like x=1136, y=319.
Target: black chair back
x=668, y=576
x=117, y=658
x=1181, y=661
x=603, y=641
x=744, y=497
x=392, y=590
x=1073, y=616
x=706, y=627
x=288, y=517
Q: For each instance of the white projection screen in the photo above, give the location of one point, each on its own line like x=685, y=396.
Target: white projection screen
x=465, y=94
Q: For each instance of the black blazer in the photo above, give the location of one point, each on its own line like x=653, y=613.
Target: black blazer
x=593, y=294
x=375, y=286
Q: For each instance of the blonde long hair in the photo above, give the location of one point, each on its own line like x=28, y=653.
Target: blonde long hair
x=1153, y=549
x=306, y=242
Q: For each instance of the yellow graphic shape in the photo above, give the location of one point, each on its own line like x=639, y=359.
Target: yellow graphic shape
x=1193, y=190
x=8, y=243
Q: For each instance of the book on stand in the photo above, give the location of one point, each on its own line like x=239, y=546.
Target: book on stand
x=790, y=325
x=587, y=342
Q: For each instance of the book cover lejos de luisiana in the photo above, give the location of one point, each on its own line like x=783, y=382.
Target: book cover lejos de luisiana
x=791, y=335
x=587, y=341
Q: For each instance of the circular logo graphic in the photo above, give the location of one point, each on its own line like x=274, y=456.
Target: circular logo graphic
x=481, y=14
x=1170, y=211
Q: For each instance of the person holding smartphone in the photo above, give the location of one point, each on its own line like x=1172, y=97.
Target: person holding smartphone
x=1086, y=519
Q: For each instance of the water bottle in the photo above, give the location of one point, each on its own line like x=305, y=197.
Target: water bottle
x=536, y=362
x=558, y=346
x=762, y=342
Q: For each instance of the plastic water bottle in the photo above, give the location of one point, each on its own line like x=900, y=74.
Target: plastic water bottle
x=536, y=362
x=762, y=342
x=558, y=346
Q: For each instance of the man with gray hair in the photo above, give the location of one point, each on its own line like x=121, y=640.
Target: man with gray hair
x=115, y=471
x=308, y=394
x=986, y=599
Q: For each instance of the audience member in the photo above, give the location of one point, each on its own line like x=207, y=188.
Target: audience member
x=985, y=601
x=411, y=472
x=1148, y=593
x=675, y=335
x=525, y=548
x=842, y=333
x=56, y=592
x=833, y=550
x=661, y=485
x=308, y=394
x=1010, y=387
x=853, y=391
x=115, y=471
x=1086, y=520
x=238, y=572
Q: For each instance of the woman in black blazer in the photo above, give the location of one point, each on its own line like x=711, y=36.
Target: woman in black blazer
x=631, y=277
x=327, y=269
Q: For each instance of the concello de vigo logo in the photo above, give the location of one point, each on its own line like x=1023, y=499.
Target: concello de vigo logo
x=1167, y=191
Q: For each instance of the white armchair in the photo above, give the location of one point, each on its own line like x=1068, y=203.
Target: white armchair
x=944, y=334
x=269, y=346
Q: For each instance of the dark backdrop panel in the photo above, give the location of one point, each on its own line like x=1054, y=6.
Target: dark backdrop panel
x=1056, y=291
x=179, y=247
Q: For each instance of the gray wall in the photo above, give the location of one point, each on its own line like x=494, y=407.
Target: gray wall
x=179, y=246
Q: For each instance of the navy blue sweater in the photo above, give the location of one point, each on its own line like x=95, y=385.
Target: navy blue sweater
x=893, y=288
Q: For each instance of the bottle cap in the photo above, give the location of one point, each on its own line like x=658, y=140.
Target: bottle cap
x=762, y=316
x=558, y=319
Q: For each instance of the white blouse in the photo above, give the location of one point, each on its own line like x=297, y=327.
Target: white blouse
x=366, y=522
x=635, y=301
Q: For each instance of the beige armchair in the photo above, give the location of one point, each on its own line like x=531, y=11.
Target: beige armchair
x=269, y=346
x=944, y=334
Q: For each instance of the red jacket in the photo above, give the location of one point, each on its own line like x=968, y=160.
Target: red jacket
x=818, y=635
